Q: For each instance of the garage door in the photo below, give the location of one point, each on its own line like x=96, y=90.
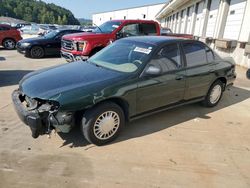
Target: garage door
x=183, y=20
x=213, y=13
x=177, y=30
x=234, y=19
x=169, y=22
x=199, y=19
x=174, y=23
x=189, y=20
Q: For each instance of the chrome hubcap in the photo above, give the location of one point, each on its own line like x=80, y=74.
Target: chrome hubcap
x=106, y=125
x=215, y=94
x=9, y=44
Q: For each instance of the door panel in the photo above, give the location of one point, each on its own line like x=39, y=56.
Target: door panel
x=53, y=47
x=198, y=81
x=166, y=88
x=160, y=91
x=200, y=69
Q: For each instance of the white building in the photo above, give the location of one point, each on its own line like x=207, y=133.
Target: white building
x=223, y=24
x=147, y=12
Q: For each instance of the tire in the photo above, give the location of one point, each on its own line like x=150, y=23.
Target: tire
x=37, y=52
x=103, y=123
x=214, y=94
x=9, y=44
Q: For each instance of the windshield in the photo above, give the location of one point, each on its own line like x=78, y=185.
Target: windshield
x=107, y=27
x=51, y=34
x=123, y=56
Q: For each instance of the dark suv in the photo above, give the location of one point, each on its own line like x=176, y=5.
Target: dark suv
x=130, y=78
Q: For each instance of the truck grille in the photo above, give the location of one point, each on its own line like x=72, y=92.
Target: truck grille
x=67, y=44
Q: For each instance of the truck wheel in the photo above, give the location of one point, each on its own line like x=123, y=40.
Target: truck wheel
x=9, y=44
x=37, y=52
x=214, y=94
x=103, y=123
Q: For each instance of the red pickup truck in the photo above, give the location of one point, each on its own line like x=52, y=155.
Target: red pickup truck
x=9, y=36
x=83, y=45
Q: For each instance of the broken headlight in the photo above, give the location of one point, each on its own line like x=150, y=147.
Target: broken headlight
x=48, y=106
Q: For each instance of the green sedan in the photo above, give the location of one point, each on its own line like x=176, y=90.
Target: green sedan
x=131, y=78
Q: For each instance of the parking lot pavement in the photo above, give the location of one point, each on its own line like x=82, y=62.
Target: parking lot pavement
x=190, y=146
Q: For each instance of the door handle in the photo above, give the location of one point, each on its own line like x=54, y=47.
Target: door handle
x=179, y=77
x=211, y=71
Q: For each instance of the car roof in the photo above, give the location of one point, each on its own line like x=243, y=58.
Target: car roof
x=156, y=40
x=60, y=30
x=131, y=20
x=5, y=25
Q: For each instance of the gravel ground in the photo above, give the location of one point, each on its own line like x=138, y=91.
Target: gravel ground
x=190, y=146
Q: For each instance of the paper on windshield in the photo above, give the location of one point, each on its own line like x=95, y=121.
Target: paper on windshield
x=142, y=50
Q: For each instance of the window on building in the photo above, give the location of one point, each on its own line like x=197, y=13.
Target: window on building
x=195, y=54
x=182, y=12
x=124, y=17
x=144, y=16
x=188, y=11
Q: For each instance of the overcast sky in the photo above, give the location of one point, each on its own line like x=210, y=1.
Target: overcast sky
x=85, y=8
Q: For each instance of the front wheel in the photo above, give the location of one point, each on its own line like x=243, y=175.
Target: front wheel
x=37, y=52
x=214, y=94
x=103, y=123
x=9, y=44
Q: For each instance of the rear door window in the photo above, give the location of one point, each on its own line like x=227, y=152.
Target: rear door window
x=2, y=28
x=148, y=29
x=131, y=30
x=168, y=58
x=195, y=53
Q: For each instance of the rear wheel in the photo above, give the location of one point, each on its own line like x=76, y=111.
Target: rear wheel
x=9, y=44
x=214, y=94
x=103, y=123
x=37, y=52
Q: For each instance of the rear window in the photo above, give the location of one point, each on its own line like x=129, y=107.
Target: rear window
x=3, y=28
x=148, y=29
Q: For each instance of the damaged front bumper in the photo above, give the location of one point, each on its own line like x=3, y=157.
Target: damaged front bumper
x=41, y=117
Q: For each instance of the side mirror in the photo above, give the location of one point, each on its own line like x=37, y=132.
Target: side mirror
x=152, y=70
x=248, y=73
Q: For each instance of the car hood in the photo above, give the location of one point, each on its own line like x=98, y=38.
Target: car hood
x=47, y=83
x=35, y=39
x=85, y=36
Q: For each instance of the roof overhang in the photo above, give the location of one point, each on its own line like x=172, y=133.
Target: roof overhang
x=171, y=6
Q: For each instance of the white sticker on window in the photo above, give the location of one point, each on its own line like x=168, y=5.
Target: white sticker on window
x=142, y=50
x=115, y=26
